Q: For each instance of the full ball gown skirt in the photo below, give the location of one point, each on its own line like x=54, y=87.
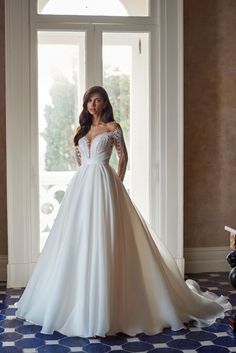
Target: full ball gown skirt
x=103, y=270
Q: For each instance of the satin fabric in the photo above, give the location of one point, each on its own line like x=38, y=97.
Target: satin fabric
x=103, y=270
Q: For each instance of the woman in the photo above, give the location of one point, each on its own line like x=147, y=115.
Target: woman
x=102, y=269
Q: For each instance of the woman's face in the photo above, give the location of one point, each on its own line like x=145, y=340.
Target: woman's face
x=95, y=104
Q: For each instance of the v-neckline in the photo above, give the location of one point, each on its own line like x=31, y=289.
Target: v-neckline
x=102, y=133
x=90, y=141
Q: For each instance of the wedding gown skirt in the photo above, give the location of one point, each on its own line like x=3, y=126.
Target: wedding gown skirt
x=103, y=270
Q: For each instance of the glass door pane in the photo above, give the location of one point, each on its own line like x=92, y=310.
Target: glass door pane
x=126, y=78
x=61, y=84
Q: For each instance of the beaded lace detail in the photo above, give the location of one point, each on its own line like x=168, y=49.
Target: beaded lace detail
x=120, y=146
x=90, y=148
x=77, y=155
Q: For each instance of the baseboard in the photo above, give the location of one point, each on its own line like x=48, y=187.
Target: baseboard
x=18, y=274
x=3, y=267
x=207, y=259
x=181, y=264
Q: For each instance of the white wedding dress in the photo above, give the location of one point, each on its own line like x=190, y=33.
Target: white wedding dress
x=102, y=269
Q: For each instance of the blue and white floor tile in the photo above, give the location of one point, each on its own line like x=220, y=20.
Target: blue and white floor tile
x=19, y=336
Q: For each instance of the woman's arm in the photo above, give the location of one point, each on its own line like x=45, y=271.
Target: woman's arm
x=121, y=151
x=77, y=155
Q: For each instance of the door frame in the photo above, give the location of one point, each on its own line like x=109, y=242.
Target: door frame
x=166, y=125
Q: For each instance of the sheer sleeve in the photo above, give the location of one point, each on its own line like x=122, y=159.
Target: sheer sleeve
x=120, y=146
x=77, y=155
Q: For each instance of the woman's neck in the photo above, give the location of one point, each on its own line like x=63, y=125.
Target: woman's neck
x=97, y=120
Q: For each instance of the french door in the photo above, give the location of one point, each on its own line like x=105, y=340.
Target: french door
x=65, y=69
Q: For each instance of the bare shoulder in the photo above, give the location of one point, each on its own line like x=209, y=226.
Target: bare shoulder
x=112, y=125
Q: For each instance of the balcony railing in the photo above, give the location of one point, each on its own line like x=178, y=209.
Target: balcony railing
x=52, y=189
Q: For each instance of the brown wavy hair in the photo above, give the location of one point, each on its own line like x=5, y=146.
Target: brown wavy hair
x=85, y=118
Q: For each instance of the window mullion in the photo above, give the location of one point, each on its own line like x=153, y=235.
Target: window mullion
x=94, y=56
x=89, y=56
x=97, y=55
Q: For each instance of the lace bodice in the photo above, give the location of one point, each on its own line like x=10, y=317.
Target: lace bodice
x=99, y=149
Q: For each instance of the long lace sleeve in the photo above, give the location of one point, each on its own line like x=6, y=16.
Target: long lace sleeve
x=120, y=146
x=77, y=155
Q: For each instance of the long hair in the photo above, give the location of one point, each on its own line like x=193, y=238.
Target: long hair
x=85, y=118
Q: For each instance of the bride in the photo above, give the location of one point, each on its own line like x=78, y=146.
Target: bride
x=102, y=269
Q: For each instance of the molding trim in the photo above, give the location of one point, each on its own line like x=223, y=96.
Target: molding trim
x=207, y=259
x=19, y=173
x=3, y=267
x=18, y=274
x=170, y=202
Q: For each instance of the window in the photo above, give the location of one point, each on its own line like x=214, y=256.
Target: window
x=126, y=76
x=61, y=84
x=72, y=56
x=94, y=7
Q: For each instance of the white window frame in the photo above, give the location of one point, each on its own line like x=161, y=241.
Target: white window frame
x=166, y=121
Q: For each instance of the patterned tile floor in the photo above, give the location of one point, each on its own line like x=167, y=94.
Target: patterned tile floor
x=18, y=336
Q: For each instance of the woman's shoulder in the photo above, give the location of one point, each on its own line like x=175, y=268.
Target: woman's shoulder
x=113, y=125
